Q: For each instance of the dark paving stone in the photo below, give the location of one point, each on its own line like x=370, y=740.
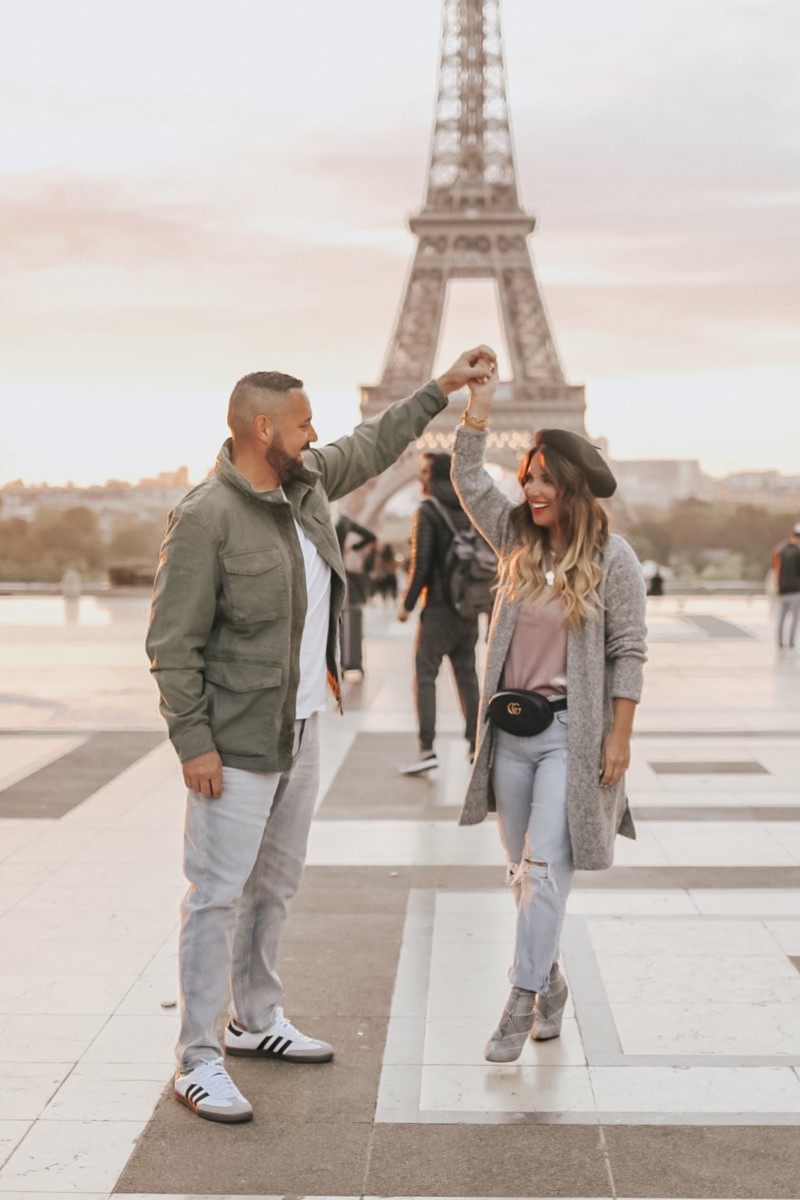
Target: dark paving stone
x=715, y=627
x=369, y=784
x=708, y=1160
x=311, y=1092
x=487, y=1160
x=315, y=899
x=181, y=1154
x=708, y=768
x=478, y=878
x=60, y=786
x=690, y=877
x=349, y=973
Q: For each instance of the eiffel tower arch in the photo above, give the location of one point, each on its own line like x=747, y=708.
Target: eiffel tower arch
x=471, y=226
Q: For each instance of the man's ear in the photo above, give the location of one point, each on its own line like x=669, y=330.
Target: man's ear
x=263, y=429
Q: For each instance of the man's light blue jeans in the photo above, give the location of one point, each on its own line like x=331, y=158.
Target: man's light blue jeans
x=529, y=777
x=243, y=857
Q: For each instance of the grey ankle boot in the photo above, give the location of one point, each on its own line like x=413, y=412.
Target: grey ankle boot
x=549, y=1009
x=505, y=1044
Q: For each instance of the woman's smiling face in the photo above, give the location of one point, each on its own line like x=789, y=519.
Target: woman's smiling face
x=542, y=493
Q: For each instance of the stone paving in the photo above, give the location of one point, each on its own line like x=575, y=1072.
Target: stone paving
x=678, y=1070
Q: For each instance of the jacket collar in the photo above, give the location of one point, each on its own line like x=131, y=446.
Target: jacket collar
x=228, y=473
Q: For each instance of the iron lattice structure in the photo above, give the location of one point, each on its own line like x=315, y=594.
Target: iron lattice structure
x=472, y=226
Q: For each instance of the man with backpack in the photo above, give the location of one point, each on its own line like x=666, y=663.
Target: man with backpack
x=452, y=571
x=788, y=572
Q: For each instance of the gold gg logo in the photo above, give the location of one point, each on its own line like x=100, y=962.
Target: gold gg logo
x=514, y=709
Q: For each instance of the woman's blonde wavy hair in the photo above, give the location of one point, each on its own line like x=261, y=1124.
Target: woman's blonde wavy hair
x=584, y=524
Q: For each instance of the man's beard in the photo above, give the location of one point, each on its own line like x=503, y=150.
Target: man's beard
x=285, y=467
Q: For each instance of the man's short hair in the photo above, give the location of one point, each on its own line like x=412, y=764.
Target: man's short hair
x=270, y=381
x=258, y=392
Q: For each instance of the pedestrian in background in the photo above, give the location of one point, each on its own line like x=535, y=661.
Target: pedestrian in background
x=441, y=632
x=351, y=633
x=562, y=679
x=787, y=574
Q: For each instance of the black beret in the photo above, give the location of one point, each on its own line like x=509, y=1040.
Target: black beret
x=584, y=455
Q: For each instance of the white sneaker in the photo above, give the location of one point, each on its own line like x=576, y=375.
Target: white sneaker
x=427, y=761
x=209, y=1091
x=281, y=1040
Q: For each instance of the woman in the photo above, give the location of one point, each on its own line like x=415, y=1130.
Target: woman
x=569, y=624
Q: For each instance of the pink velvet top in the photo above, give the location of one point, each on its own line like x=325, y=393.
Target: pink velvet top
x=537, y=656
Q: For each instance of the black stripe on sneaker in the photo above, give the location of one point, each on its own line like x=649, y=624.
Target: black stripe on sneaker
x=281, y=1049
x=264, y=1044
x=191, y=1089
x=236, y=1032
x=203, y=1096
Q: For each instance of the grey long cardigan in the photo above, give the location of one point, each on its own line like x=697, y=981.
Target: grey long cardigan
x=605, y=657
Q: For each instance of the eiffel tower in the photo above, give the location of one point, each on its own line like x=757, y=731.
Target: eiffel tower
x=472, y=226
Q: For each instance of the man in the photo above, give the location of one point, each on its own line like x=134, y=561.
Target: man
x=242, y=633
x=441, y=630
x=351, y=638
x=788, y=572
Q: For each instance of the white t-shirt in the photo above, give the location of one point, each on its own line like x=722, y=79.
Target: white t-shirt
x=312, y=692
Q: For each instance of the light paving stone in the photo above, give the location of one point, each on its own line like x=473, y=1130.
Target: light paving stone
x=506, y=1088
x=85, y=925
x=678, y=1090
x=786, y=935
x=81, y=1098
x=621, y=902
x=16, y=836
x=148, y=996
x=124, y=877
x=11, y=1134
x=46, y=994
x=755, y=902
x=10, y=897
x=29, y=1039
x=461, y=1041
x=389, y=843
x=143, y=847
x=718, y=844
x=115, y=958
x=684, y=936
x=43, y=1195
x=734, y=1030
x=28, y=1087
x=126, y=1039
x=52, y=845
x=70, y=1157
x=763, y=981
x=24, y=875
x=157, y=897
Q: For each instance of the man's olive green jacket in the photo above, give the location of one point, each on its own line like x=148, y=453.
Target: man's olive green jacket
x=229, y=600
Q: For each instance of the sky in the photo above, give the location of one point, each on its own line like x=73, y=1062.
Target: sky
x=192, y=190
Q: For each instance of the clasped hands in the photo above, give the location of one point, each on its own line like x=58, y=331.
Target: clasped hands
x=474, y=368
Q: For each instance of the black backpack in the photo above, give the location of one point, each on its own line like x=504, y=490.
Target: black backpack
x=789, y=572
x=469, y=568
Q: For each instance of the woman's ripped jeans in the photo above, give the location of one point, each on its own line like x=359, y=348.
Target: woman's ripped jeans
x=529, y=777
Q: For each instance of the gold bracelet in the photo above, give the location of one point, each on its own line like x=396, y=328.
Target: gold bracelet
x=474, y=422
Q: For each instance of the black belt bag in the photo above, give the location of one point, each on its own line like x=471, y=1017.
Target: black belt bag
x=523, y=713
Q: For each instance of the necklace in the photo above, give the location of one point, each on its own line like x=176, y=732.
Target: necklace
x=548, y=562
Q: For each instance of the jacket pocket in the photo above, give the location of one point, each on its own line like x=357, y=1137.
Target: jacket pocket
x=255, y=585
x=244, y=705
x=243, y=676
